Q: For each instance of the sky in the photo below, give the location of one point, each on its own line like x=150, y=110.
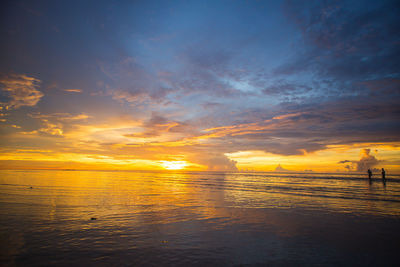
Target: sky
x=200, y=85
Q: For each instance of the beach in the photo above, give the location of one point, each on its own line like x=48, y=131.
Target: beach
x=93, y=218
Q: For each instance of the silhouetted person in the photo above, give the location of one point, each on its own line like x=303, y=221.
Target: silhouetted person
x=383, y=174
x=369, y=173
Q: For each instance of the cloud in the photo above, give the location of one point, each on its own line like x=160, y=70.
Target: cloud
x=56, y=124
x=279, y=168
x=340, y=86
x=344, y=41
x=78, y=117
x=21, y=90
x=286, y=88
x=288, y=129
x=214, y=161
x=205, y=70
x=133, y=97
x=299, y=128
x=383, y=86
x=133, y=83
x=59, y=116
x=73, y=90
x=158, y=125
x=211, y=105
x=51, y=128
x=367, y=161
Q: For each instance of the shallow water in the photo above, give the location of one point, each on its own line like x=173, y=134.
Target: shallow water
x=207, y=219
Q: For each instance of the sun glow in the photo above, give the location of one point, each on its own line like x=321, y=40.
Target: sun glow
x=173, y=165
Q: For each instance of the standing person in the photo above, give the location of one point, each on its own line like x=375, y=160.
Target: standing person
x=383, y=174
x=369, y=173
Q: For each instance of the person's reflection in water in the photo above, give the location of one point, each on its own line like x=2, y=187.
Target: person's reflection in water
x=384, y=178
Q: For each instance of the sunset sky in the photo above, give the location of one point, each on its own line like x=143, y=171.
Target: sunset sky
x=200, y=85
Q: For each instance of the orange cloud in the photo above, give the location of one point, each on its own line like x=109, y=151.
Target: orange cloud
x=21, y=90
x=73, y=90
x=51, y=128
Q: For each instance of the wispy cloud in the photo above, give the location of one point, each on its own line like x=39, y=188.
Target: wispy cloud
x=51, y=128
x=59, y=116
x=21, y=90
x=73, y=90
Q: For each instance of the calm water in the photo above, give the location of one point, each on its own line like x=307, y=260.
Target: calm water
x=189, y=219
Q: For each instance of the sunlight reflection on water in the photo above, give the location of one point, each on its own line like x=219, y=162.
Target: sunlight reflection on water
x=145, y=218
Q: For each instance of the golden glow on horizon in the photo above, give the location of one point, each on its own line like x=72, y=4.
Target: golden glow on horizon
x=321, y=161
x=116, y=145
x=174, y=165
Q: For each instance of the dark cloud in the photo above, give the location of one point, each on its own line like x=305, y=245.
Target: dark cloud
x=345, y=41
x=211, y=105
x=294, y=128
x=285, y=88
x=157, y=125
x=386, y=86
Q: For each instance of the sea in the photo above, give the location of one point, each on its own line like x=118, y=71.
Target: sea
x=117, y=218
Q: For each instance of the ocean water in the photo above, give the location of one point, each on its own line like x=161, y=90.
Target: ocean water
x=197, y=219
